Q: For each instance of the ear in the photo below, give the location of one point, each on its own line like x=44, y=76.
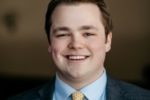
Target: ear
x=49, y=49
x=108, y=41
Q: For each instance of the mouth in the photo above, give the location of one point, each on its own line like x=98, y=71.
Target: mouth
x=77, y=57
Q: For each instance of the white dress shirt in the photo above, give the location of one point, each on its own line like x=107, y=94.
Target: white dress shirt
x=93, y=91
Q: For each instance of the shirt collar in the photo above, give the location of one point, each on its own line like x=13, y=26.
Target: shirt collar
x=92, y=92
x=95, y=90
x=62, y=90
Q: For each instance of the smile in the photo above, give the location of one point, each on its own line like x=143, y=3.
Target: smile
x=76, y=57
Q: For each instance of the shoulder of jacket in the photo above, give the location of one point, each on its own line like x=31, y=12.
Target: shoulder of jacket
x=130, y=91
x=35, y=93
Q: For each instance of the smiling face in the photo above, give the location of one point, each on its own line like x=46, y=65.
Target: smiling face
x=78, y=42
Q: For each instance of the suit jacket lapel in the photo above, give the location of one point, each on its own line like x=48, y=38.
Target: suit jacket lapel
x=113, y=91
x=46, y=92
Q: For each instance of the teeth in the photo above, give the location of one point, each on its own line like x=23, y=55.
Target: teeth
x=76, y=57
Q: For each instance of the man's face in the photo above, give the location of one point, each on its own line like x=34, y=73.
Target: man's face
x=78, y=42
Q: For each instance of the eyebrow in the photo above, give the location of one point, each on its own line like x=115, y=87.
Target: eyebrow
x=60, y=29
x=87, y=27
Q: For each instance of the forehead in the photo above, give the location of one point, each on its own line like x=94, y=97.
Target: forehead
x=76, y=14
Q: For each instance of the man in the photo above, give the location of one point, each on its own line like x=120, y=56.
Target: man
x=80, y=34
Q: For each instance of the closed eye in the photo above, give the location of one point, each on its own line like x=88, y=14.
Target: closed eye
x=62, y=35
x=88, y=34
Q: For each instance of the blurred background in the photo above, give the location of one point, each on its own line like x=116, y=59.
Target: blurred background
x=24, y=59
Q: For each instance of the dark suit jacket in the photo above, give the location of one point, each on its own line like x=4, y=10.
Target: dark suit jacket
x=115, y=90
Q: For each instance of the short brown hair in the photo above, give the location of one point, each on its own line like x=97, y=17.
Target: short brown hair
x=107, y=21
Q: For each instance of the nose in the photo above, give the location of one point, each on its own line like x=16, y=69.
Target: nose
x=76, y=42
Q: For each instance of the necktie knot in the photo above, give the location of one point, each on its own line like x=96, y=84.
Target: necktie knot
x=77, y=96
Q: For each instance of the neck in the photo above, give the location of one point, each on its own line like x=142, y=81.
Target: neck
x=80, y=82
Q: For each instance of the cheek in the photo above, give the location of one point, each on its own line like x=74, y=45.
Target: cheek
x=98, y=51
x=56, y=47
x=57, y=50
x=97, y=46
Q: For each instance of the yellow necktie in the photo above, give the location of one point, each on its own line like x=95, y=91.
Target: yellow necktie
x=77, y=96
